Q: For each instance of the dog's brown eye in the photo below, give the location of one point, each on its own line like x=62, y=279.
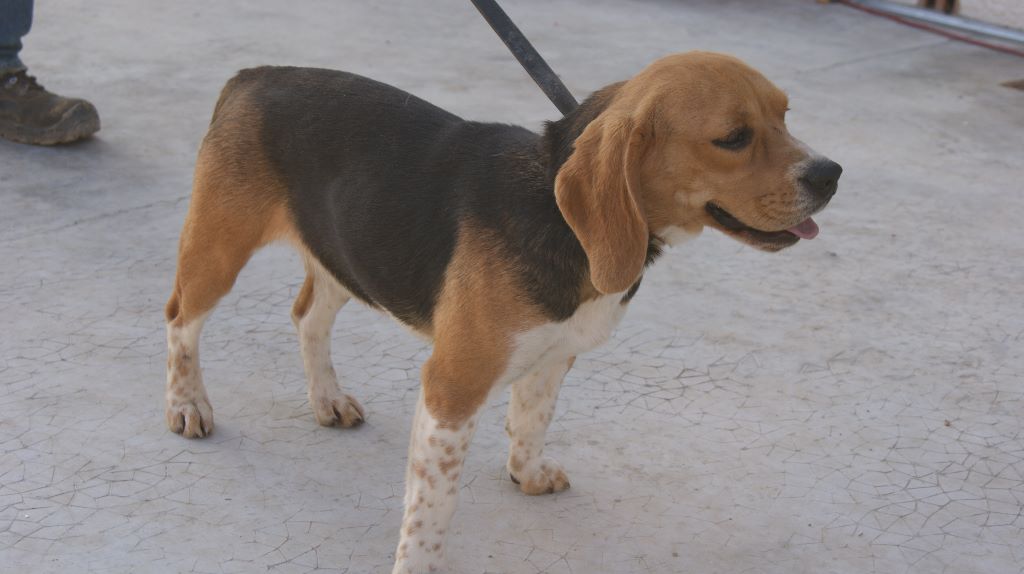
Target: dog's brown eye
x=736, y=140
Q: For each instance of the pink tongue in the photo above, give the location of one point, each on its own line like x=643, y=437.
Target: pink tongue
x=807, y=229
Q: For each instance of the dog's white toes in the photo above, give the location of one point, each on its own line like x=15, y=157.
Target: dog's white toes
x=338, y=411
x=546, y=476
x=190, y=419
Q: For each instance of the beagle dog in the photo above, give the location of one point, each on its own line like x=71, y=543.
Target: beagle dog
x=512, y=252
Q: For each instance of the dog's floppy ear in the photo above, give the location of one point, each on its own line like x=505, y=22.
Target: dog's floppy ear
x=596, y=190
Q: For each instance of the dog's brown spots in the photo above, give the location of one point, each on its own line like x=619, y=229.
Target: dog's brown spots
x=420, y=470
x=515, y=464
x=445, y=465
x=642, y=162
x=481, y=308
x=412, y=528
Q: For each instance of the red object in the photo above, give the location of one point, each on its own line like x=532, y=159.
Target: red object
x=935, y=30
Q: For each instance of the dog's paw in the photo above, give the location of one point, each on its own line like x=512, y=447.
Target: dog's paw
x=546, y=476
x=190, y=419
x=340, y=410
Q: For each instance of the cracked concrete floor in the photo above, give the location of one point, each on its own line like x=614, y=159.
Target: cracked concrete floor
x=850, y=405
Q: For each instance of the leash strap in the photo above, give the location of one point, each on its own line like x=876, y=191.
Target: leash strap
x=527, y=55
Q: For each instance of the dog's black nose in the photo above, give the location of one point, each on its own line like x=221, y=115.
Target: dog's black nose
x=822, y=177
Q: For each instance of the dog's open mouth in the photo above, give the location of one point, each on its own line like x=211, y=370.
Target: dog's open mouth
x=771, y=240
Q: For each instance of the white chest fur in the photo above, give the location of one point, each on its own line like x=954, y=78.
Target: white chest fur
x=589, y=326
x=673, y=235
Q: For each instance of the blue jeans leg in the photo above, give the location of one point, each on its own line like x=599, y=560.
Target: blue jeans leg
x=15, y=21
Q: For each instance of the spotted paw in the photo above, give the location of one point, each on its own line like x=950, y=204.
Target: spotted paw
x=191, y=419
x=338, y=411
x=543, y=477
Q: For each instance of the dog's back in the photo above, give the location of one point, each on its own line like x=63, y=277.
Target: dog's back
x=377, y=181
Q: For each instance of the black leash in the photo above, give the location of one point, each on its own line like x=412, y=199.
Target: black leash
x=527, y=55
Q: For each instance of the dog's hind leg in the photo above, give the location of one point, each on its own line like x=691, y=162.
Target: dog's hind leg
x=318, y=303
x=233, y=212
x=209, y=260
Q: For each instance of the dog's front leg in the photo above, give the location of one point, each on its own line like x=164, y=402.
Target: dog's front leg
x=530, y=410
x=478, y=324
x=436, y=452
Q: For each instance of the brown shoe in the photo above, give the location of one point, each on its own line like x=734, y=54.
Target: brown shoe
x=29, y=114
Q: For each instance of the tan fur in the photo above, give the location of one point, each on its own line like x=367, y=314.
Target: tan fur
x=647, y=163
x=237, y=206
x=304, y=299
x=644, y=163
x=596, y=190
x=713, y=95
x=480, y=308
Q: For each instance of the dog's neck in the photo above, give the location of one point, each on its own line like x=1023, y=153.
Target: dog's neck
x=559, y=136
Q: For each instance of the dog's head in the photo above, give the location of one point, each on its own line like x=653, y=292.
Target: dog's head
x=694, y=140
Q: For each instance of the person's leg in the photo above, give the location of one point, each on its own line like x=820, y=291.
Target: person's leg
x=15, y=22
x=28, y=113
